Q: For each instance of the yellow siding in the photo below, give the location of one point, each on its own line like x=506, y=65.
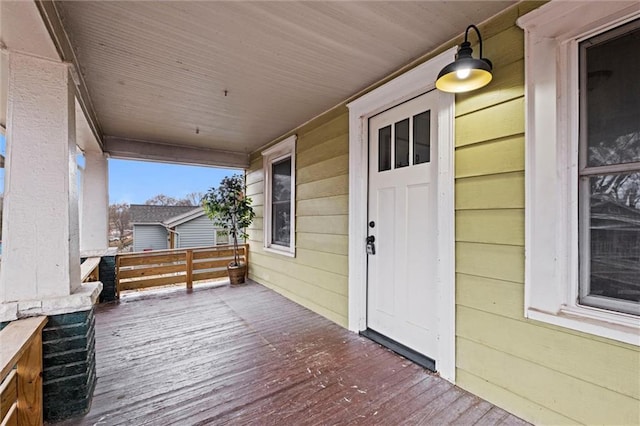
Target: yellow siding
x=500, y=156
x=490, y=295
x=543, y=373
x=499, y=191
x=560, y=351
x=324, y=207
x=332, y=167
x=581, y=401
x=317, y=276
x=497, y=121
x=491, y=226
x=535, y=413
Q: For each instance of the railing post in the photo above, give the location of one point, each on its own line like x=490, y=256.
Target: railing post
x=29, y=370
x=246, y=261
x=118, y=277
x=189, y=271
x=21, y=387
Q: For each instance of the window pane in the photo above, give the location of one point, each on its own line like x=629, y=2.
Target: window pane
x=281, y=203
x=614, y=236
x=402, y=143
x=281, y=226
x=384, y=149
x=610, y=66
x=222, y=236
x=282, y=180
x=422, y=138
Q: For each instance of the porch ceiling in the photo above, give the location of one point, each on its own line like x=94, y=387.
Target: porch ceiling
x=158, y=71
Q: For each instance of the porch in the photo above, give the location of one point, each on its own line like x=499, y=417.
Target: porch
x=246, y=355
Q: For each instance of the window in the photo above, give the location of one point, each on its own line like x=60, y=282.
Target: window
x=582, y=207
x=406, y=144
x=222, y=237
x=609, y=170
x=279, y=209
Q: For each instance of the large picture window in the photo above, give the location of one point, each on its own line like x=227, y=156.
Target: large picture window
x=279, y=216
x=582, y=172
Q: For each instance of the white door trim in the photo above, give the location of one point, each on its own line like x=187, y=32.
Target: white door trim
x=407, y=86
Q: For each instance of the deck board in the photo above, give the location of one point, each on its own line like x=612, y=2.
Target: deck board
x=246, y=355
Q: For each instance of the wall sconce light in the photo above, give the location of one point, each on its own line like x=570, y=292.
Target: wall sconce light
x=465, y=73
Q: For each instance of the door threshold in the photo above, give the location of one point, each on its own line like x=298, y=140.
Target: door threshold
x=400, y=349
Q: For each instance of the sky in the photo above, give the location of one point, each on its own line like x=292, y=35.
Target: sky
x=135, y=182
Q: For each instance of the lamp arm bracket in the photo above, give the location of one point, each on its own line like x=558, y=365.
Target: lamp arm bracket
x=466, y=36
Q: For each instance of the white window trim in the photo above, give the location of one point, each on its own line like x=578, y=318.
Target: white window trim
x=401, y=89
x=278, y=152
x=552, y=34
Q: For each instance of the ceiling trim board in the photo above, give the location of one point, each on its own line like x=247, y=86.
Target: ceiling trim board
x=133, y=149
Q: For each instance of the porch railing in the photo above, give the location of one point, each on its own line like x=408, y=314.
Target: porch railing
x=89, y=269
x=21, y=374
x=141, y=270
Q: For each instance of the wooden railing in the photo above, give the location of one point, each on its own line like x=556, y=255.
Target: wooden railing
x=89, y=269
x=21, y=375
x=140, y=270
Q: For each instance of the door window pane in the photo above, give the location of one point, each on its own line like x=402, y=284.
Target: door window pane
x=614, y=236
x=281, y=203
x=402, y=143
x=611, y=95
x=422, y=138
x=384, y=149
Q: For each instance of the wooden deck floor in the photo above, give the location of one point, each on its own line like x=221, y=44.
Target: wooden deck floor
x=246, y=355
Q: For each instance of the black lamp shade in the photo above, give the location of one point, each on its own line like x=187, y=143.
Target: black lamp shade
x=454, y=79
x=466, y=73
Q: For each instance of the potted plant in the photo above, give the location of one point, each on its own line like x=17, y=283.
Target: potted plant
x=229, y=208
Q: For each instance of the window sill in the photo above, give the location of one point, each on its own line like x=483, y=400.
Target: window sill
x=284, y=251
x=620, y=327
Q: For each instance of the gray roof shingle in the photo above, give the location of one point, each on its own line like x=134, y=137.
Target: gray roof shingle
x=143, y=213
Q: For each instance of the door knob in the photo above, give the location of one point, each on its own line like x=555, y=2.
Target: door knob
x=371, y=239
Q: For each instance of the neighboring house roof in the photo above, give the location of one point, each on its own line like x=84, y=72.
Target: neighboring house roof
x=185, y=217
x=609, y=213
x=143, y=213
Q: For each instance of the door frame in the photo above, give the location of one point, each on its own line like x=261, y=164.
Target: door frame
x=417, y=81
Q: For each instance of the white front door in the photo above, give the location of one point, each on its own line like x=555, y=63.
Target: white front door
x=402, y=266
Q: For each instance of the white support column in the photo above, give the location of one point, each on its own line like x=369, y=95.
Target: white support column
x=40, y=256
x=94, y=226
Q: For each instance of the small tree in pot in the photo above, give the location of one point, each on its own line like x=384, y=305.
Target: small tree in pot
x=229, y=208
